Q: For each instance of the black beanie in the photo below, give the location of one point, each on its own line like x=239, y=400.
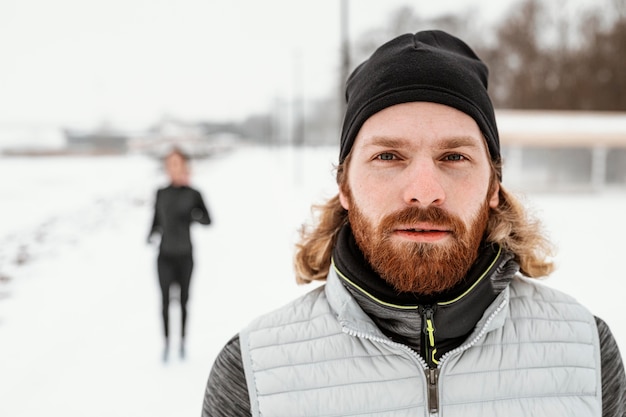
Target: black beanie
x=431, y=66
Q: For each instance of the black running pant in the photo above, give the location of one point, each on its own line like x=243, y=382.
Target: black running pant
x=174, y=269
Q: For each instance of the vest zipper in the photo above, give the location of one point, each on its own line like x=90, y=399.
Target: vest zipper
x=388, y=342
x=430, y=350
x=432, y=374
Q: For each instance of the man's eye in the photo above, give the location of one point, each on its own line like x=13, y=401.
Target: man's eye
x=454, y=157
x=386, y=156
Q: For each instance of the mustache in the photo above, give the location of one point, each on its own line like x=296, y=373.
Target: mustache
x=433, y=215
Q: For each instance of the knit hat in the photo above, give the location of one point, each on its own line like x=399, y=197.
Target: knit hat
x=431, y=66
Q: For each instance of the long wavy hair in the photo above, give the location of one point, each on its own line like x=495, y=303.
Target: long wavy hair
x=510, y=225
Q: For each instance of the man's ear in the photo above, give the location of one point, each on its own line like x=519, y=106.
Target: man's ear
x=494, y=199
x=343, y=199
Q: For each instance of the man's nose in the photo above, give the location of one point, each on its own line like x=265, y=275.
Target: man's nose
x=422, y=184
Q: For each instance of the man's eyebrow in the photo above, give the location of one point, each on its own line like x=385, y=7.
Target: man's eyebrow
x=445, y=143
x=388, y=142
x=458, y=142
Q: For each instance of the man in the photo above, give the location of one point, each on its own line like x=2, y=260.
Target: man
x=429, y=306
x=176, y=207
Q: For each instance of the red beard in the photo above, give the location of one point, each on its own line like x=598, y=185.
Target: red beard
x=422, y=268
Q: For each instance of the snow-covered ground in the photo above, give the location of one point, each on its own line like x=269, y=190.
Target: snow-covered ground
x=80, y=331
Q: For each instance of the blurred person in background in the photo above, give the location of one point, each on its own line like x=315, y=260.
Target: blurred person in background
x=176, y=207
x=431, y=303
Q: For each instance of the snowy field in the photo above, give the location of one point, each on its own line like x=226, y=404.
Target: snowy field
x=80, y=331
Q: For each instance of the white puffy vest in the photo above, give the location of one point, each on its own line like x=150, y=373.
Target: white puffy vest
x=534, y=353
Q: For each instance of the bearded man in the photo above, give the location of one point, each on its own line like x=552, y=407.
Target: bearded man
x=430, y=306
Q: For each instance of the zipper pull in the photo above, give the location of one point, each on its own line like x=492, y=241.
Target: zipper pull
x=429, y=330
x=432, y=375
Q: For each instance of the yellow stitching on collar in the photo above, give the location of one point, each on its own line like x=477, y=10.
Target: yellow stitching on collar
x=442, y=303
x=370, y=295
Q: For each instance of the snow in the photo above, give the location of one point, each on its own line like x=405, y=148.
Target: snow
x=80, y=330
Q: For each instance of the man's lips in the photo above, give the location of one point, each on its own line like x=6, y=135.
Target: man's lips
x=422, y=228
x=423, y=233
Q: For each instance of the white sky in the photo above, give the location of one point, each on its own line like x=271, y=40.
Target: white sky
x=129, y=62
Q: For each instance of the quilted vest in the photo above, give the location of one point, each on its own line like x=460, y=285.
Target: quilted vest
x=535, y=352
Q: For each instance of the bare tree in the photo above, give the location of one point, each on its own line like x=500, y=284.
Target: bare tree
x=547, y=62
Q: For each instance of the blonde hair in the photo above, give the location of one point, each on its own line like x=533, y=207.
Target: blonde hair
x=510, y=225
x=513, y=227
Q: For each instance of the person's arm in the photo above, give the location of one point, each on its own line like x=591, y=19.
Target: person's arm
x=200, y=213
x=226, y=392
x=613, y=376
x=156, y=226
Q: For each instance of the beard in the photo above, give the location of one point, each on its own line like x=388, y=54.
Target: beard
x=418, y=267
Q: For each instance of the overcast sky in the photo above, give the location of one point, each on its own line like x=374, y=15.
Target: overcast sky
x=129, y=62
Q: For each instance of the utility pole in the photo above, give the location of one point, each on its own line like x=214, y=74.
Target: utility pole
x=345, y=55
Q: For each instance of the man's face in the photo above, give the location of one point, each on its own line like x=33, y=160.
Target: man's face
x=176, y=168
x=418, y=194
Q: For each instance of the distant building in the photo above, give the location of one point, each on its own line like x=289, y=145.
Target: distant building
x=563, y=150
x=199, y=140
x=103, y=140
